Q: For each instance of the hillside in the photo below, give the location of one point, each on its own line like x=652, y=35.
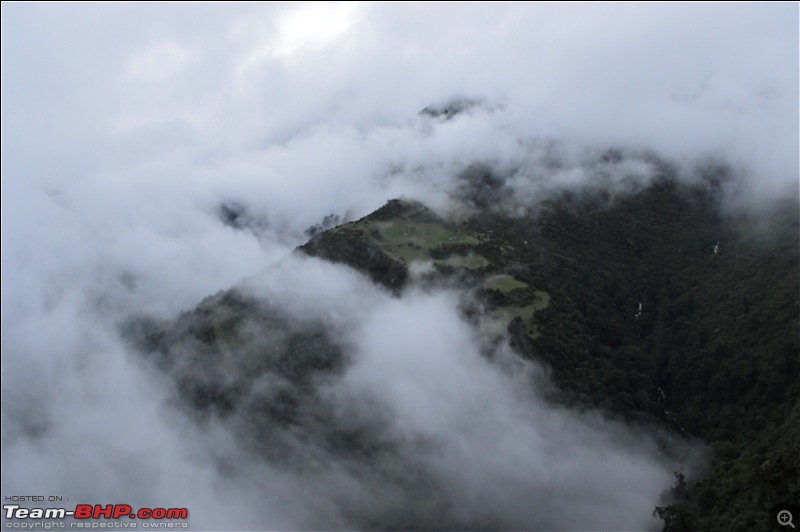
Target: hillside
x=654, y=307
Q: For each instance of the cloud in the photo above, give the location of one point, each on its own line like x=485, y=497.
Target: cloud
x=158, y=62
x=125, y=127
x=503, y=457
x=452, y=432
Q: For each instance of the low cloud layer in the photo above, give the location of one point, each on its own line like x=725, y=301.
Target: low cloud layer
x=498, y=455
x=125, y=128
x=460, y=434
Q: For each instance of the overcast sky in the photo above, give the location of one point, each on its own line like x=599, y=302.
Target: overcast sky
x=124, y=126
x=137, y=119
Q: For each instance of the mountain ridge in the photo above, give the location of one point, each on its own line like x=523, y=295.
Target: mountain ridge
x=637, y=304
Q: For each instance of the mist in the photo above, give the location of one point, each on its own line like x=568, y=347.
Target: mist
x=125, y=128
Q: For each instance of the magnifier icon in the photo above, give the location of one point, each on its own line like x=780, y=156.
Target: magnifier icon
x=785, y=518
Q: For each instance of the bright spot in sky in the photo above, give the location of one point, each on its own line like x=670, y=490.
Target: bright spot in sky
x=312, y=27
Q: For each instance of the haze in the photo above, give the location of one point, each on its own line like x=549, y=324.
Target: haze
x=125, y=127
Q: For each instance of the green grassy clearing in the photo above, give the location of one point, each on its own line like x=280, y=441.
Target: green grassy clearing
x=470, y=262
x=526, y=313
x=505, y=283
x=409, y=241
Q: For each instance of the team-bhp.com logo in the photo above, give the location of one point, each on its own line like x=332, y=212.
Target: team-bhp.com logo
x=88, y=515
x=97, y=511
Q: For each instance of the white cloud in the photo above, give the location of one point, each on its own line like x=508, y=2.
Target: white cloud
x=157, y=62
x=313, y=26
